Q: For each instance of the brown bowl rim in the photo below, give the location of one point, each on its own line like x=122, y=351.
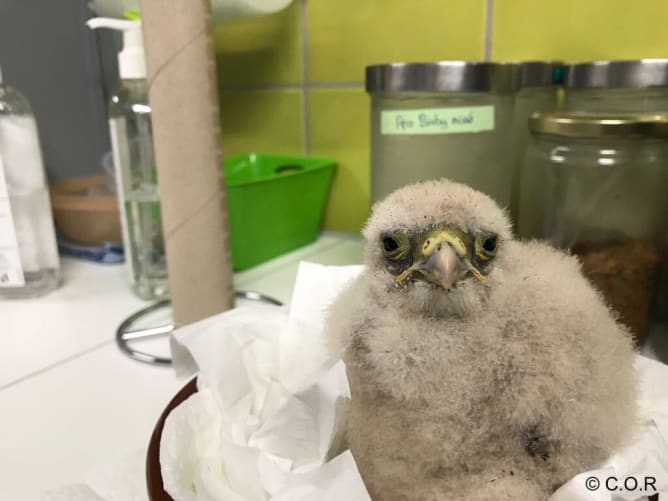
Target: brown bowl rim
x=64, y=197
x=154, y=485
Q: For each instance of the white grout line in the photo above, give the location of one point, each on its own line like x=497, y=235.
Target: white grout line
x=306, y=120
x=489, y=28
x=60, y=362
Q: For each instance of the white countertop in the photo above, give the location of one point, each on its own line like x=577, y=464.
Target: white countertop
x=70, y=402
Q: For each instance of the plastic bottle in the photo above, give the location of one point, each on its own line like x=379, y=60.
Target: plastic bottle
x=134, y=165
x=29, y=265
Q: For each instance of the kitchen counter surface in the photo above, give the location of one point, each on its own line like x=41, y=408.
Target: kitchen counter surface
x=70, y=402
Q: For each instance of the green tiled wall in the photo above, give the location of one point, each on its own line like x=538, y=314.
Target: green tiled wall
x=293, y=82
x=345, y=35
x=579, y=30
x=269, y=121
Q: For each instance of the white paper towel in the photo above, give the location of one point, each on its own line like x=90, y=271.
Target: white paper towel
x=121, y=479
x=263, y=421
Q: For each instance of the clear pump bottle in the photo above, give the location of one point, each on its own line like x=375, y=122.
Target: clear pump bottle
x=134, y=165
x=29, y=265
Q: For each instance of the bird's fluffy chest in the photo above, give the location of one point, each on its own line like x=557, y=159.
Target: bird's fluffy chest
x=441, y=360
x=427, y=380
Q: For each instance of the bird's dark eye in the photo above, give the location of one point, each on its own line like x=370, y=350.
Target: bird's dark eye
x=489, y=244
x=486, y=245
x=395, y=245
x=390, y=244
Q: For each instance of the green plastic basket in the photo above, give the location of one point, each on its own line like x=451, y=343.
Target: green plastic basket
x=274, y=204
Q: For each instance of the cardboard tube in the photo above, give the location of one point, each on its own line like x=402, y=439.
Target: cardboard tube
x=186, y=131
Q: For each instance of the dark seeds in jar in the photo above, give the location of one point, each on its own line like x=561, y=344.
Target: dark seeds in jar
x=625, y=273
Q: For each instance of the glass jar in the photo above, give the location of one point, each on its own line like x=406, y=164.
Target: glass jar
x=446, y=119
x=605, y=180
x=617, y=86
x=538, y=92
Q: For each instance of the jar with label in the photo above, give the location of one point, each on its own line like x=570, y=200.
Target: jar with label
x=604, y=199
x=445, y=119
x=639, y=86
x=29, y=263
x=538, y=85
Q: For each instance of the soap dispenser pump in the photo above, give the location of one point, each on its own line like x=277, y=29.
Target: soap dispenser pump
x=134, y=165
x=131, y=59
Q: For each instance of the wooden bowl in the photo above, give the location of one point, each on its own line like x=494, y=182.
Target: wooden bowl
x=84, y=218
x=156, y=491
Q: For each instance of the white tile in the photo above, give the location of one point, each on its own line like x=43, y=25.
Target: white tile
x=324, y=242
x=83, y=313
x=60, y=425
x=93, y=300
x=279, y=282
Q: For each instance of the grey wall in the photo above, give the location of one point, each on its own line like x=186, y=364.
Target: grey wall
x=48, y=53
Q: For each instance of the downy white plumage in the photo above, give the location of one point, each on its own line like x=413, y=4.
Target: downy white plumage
x=492, y=371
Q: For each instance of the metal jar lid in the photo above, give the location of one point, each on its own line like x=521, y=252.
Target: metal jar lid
x=538, y=73
x=617, y=74
x=586, y=125
x=442, y=76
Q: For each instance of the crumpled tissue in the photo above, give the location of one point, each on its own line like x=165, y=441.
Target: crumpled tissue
x=264, y=418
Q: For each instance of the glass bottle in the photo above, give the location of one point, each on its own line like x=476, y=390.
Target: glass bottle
x=29, y=264
x=134, y=165
x=132, y=147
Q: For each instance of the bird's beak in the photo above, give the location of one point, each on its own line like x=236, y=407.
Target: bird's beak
x=444, y=262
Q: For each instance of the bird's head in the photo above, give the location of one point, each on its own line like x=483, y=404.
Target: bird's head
x=434, y=245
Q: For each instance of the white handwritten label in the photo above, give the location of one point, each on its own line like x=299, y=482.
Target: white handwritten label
x=437, y=120
x=11, y=272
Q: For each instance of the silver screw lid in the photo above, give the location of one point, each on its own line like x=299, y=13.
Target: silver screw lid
x=538, y=73
x=442, y=76
x=617, y=74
